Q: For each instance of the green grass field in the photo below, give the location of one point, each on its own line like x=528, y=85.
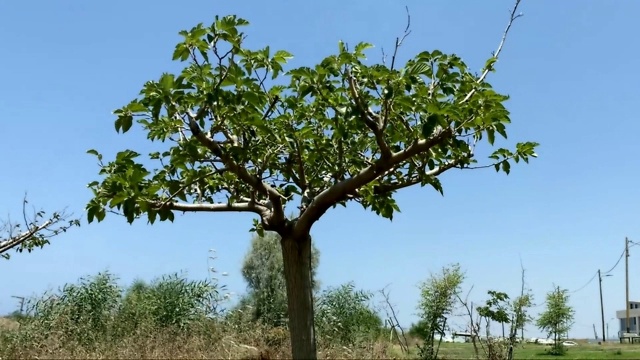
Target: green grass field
x=532, y=351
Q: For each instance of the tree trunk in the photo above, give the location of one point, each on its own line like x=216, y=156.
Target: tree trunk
x=296, y=253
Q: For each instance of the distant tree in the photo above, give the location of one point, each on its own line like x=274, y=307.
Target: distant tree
x=263, y=270
x=438, y=296
x=338, y=132
x=557, y=318
x=35, y=230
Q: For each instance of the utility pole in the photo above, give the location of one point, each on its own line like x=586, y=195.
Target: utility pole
x=601, y=306
x=626, y=275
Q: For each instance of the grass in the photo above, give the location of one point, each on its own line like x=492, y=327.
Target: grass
x=253, y=343
x=531, y=351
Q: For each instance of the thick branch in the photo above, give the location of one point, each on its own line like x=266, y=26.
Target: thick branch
x=343, y=189
x=373, y=122
x=222, y=207
x=242, y=173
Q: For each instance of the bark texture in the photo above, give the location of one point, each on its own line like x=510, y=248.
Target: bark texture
x=296, y=253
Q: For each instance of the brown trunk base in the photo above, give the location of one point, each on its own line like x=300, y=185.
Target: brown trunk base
x=296, y=253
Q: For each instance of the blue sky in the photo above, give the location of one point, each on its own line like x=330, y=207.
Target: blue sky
x=570, y=70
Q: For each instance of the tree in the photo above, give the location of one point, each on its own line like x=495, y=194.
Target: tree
x=437, y=299
x=35, y=230
x=339, y=132
x=557, y=318
x=263, y=270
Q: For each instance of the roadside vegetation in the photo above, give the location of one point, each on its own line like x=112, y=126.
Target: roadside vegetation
x=174, y=316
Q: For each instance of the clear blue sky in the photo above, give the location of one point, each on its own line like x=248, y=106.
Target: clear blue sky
x=570, y=67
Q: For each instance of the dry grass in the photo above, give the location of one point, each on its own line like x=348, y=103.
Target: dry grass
x=8, y=324
x=168, y=318
x=259, y=343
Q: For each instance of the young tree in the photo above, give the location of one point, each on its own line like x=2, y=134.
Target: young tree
x=437, y=299
x=341, y=131
x=557, y=317
x=263, y=270
x=35, y=230
x=500, y=308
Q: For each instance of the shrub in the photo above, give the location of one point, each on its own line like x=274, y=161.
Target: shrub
x=343, y=316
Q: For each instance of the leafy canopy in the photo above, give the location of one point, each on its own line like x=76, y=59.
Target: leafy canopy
x=245, y=135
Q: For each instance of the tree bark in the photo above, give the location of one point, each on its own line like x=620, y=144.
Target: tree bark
x=296, y=253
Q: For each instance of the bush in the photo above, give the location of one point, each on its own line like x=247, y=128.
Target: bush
x=97, y=311
x=343, y=316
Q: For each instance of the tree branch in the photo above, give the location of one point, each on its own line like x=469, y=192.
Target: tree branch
x=373, y=122
x=277, y=215
x=399, y=40
x=19, y=239
x=220, y=207
x=35, y=234
x=393, y=322
x=488, y=165
x=486, y=71
x=341, y=190
x=387, y=188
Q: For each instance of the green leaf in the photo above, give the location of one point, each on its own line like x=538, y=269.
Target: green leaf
x=491, y=136
x=430, y=125
x=341, y=47
x=91, y=212
x=362, y=46
x=124, y=123
x=489, y=64
x=282, y=56
x=435, y=183
x=506, y=167
x=167, y=81
x=136, y=107
x=100, y=214
x=96, y=153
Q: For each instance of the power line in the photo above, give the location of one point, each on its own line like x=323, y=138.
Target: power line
x=608, y=271
x=617, y=262
x=621, y=255
x=585, y=285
